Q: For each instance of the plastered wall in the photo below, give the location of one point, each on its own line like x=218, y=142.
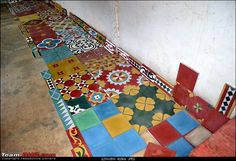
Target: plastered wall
x=161, y=34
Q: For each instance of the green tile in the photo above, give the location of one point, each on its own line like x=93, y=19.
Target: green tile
x=86, y=119
x=78, y=105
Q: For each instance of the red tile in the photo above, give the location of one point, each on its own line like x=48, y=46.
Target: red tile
x=154, y=150
x=214, y=120
x=164, y=133
x=187, y=77
x=180, y=94
x=80, y=148
x=93, y=54
x=35, y=26
x=198, y=108
x=220, y=144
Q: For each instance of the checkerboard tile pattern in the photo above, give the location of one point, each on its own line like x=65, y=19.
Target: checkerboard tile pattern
x=227, y=100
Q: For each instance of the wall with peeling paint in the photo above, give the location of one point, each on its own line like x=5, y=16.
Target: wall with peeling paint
x=163, y=34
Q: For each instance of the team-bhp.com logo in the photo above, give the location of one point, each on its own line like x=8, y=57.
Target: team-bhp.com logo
x=29, y=154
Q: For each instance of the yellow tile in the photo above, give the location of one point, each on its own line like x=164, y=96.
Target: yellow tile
x=65, y=67
x=24, y=19
x=117, y=124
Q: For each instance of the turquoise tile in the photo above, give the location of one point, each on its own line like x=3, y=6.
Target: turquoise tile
x=129, y=142
x=61, y=108
x=106, y=110
x=182, y=147
x=86, y=119
x=56, y=54
x=182, y=122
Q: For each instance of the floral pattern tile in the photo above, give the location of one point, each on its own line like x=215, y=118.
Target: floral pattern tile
x=114, y=81
x=43, y=34
x=82, y=44
x=78, y=84
x=62, y=25
x=72, y=33
x=95, y=54
x=80, y=147
x=145, y=105
x=107, y=62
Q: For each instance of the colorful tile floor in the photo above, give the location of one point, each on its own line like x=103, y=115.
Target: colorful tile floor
x=107, y=107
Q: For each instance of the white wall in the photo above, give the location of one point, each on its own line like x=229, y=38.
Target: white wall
x=163, y=34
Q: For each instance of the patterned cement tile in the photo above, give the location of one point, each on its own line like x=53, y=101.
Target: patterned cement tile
x=56, y=17
x=107, y=62
x=72, y=33
x=93, y=55
x=116, y=125
x=198, y=136
x=48, y=79
x=85, y=120
x=33, y=26
x=183, y=122
x=145, y=105
x=80, y=152
x=80, y=148
x=56, y=54
x=45, y=12
x=24, y=19
x=41, y=35
x=78, y=105
x=65, y=67
x=82, y=44
x=118, y=80
x=62, y=25
x=78, y=84
x=164, y=133
x=61, y=108
x=182, y=147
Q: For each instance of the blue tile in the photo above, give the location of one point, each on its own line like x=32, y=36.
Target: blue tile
x=182, y=147
x=107, y=150
x=96, y=136
x=129, y=142
x=46, y=74
x=56, y=54
x=106, y=110
x=182, y=122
